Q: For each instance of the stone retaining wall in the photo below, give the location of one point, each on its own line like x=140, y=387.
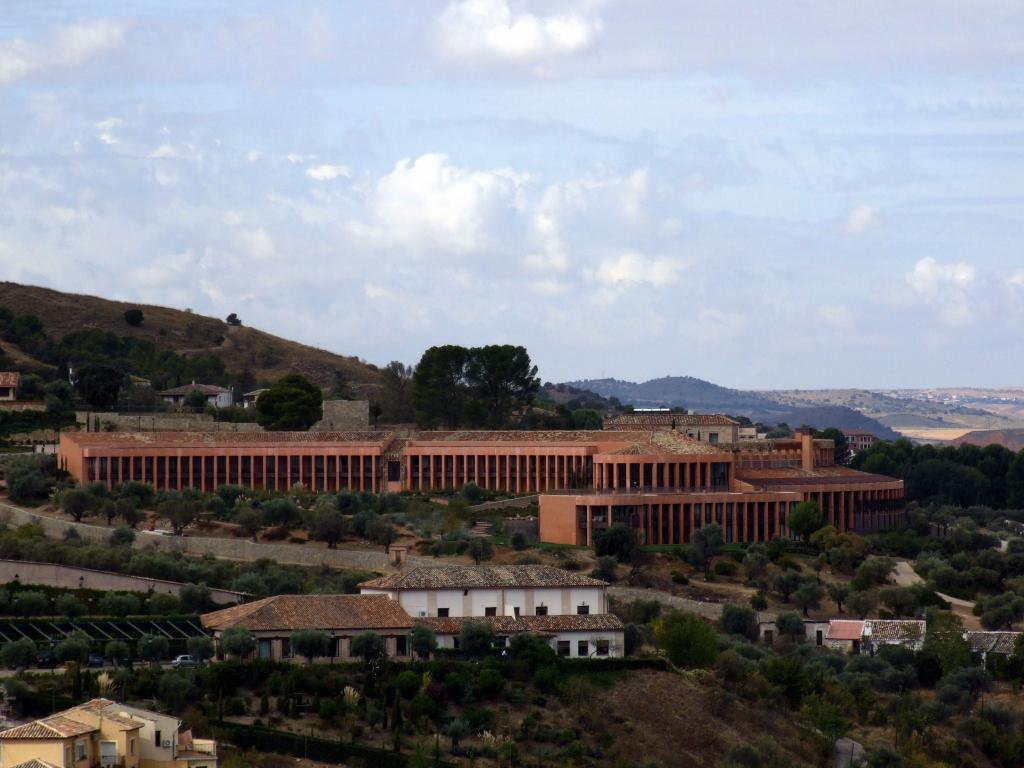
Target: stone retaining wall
x=162, y=422
x=70, y=577
x=228, y=549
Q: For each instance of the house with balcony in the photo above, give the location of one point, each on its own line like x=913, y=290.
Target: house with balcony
x=108, y=734
x=10, y=382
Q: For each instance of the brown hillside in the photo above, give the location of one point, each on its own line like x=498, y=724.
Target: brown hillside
x=1008, y=438
x=268, y=357
x=668, y=719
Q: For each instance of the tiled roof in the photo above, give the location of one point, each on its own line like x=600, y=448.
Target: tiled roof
x=895, y=629
x=9, y=378
x=35, y=762
x=544, y=625
x=794, y=476
x=54, y=727
x=482, y=576
x=109, y=710
x=857, y=433
x=327, y=612
x=633, y=420
x=188, y=389
x=992, y=642
x=226, y=439
x=843, y=629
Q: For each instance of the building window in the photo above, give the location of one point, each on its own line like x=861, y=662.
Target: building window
x=516, y=611
x=582, y=610
x=402, y=646
x=542, y=610
x=492, y=611
x=264, y=649
x=602, y=647
x=286, y=647
x=131, y=746
x=156, y=739
x=442, y=613
x=564, y=647
x=79, y=750
x=583, y=648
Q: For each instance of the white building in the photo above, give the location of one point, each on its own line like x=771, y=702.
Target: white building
x=491, y=590
x=567, y=608
x=218, y=397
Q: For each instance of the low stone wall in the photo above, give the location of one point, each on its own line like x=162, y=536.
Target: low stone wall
x=228, y=549
x=70, y=577
x=528, y=526
x=162, y=422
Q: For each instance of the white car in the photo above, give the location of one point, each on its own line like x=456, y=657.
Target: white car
x=184, y=661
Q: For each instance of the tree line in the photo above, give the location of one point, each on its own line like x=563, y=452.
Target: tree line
x=963, y=475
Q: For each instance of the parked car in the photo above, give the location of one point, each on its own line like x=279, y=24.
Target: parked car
x=184, y=661
x=46, y=659
x=95, y=660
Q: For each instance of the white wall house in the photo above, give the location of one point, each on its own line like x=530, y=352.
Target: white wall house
x=567, y=608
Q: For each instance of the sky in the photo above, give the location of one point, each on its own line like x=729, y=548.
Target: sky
x=780, y=194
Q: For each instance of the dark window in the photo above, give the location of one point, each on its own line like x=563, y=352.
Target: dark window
x=564, y=647
x=602, y=647
x=490, y=611
x=583, y=648
x=542, y=610
x=583, y=610
x=156, y=738
x=442, y=613
x=516, y=609
x=286, y=648
x=401, y=646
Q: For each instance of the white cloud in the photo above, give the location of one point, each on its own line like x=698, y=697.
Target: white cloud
x=66, y=47
x=476, y=30
x=256, y=244
x=929, y=277
x=328, y=172
x=428, y=202
x=946, y=287
x=861, y=219
x=1016, y=279
x=106, y=130
x=635, y=268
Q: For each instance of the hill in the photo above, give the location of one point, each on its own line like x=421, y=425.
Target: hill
x=706, y=397
x=1008, y=438
x=239, y=348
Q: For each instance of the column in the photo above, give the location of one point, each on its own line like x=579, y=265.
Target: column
x=590, y=526
x=671, y=524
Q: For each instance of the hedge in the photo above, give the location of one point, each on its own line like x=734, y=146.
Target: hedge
x=312, y=747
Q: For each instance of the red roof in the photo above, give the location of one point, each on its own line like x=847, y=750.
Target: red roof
x=844, y=629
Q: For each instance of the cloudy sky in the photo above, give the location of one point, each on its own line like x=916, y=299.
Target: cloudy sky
x=781, y=193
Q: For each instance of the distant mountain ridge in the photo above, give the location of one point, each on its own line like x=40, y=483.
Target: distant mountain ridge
x=706, y=397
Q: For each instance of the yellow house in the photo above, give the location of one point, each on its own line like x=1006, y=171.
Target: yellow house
x=106, y=734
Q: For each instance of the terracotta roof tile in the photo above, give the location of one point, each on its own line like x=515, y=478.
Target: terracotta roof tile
x=633, y=420
x=54, y=727
x=188, y=389
x=10, y=378
x=895, y=629
x=843, y=629
x=327, y=612
x=992, y=642
x=482, y=576
x=35, y=763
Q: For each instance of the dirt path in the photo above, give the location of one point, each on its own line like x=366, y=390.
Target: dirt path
x=906, y=576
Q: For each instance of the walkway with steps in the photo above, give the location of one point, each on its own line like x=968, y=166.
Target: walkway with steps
x=480, y=529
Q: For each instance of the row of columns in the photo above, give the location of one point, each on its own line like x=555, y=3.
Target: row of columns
x=861, y=509
x=684, y=475
x=532, y=472
x=208, y=477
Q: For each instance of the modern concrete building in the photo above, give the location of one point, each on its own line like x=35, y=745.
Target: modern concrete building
x=105, y=733
x=659, y=482
x=10, y=382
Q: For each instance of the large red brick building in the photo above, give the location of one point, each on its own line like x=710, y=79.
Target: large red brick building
x=660, y=482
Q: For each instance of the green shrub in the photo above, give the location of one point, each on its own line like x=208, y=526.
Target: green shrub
x=491, y=683
x=725, y=568
x=408, y=683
